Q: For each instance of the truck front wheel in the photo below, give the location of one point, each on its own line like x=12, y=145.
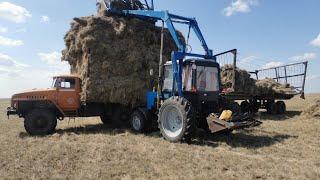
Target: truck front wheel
x=40, y=122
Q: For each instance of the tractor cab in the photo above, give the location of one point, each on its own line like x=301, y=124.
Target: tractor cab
x=200, y=78
x=200, y=84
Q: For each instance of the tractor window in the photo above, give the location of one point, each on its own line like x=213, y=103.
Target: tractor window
x=207, y=78
x=187, y=78
x=168, y=78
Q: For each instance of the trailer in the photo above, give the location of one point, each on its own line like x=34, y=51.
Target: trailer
x=293, y=75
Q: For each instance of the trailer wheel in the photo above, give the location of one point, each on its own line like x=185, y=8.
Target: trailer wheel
x=176, y=119
x=272, y=108
x=40, y=122
x=245, y=107
x=138, y=121
x=105, y=119
x=281, y=107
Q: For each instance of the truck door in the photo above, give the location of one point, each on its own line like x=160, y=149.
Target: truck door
x=68, y=96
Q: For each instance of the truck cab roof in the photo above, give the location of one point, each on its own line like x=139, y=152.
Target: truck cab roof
x=67, y=76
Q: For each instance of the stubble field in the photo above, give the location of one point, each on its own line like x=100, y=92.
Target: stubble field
x=283, y=147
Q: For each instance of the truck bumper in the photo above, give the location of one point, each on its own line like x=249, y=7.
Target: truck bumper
x=11, y=111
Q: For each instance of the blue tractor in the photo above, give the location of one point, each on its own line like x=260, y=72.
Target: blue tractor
x=189, y=86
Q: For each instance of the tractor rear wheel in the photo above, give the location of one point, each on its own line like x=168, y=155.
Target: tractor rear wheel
x=40, y=122
x=176, y=119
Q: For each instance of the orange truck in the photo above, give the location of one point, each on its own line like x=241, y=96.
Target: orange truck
x=42, y=108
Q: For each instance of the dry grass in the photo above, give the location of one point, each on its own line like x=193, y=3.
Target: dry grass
x=284, y=147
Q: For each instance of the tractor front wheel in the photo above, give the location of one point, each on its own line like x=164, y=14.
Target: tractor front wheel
x=176, y=119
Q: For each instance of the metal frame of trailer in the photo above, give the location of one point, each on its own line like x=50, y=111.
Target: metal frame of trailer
x=293, y=75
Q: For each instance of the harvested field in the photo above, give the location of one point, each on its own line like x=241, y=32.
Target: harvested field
x=284, y=147
x=113, y=56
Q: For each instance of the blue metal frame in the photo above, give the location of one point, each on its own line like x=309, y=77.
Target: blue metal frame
x=177, y=56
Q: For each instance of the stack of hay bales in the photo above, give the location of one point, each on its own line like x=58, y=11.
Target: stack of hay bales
x=113, y=57
x=245, y=84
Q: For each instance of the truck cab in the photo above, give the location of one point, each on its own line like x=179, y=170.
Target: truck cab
x=42, y=107
x=68, y=90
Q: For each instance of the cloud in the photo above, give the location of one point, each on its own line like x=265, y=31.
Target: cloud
x=17, y=77
x=8, y=62
x=45, y=19
x=239, y=6
x=273, y=64
x=21, y=30
x=316, y=41
x=10, y=42
x=3, y=30
x=13, y=12
x=247, y=59
x=313, y=77
x=52, y=59
x=304, y=57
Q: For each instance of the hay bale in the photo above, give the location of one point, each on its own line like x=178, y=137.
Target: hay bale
x=270, y=86
x=113, y=57
x=313, y=110
x=245, y=84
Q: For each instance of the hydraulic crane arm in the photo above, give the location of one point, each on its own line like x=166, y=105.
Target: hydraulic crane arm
x=169, y=19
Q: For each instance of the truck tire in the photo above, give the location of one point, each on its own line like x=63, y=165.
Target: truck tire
x=40, y=122
x=281, y=107
x=272, y=108
x=245, y=107
x=138, y=121
x=105, y=119
x=176, y=119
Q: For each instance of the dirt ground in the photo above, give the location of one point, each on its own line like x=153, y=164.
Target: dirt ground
x=284, y=147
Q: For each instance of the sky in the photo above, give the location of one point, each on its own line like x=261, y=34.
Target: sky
x=266, y=33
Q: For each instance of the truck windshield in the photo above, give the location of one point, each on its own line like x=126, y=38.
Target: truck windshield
x=53, y=82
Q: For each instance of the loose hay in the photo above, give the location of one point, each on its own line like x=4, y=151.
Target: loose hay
x=245, y=84
x=313, y=110
x=113, y=56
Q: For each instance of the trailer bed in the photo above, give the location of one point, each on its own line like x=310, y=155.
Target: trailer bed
x=290, y=75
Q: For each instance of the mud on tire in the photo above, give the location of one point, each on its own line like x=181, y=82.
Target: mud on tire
x=176, y=119
x=40, y=122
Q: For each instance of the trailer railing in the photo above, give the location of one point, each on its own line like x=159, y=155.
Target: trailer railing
x=228, y=60
x=293, y=75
